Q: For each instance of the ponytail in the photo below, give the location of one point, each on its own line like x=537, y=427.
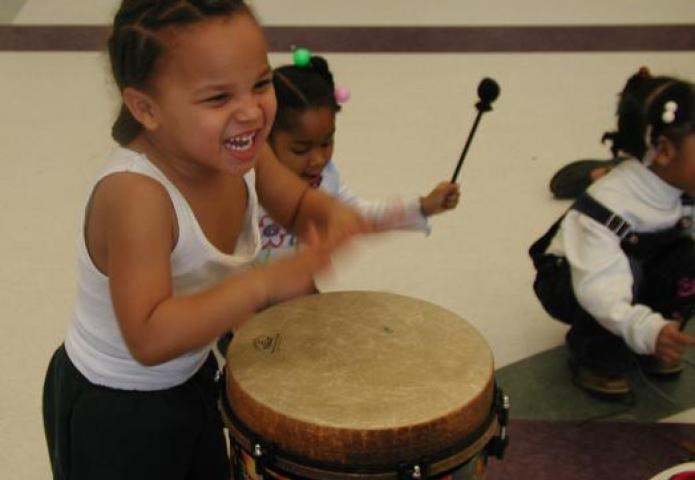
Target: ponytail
x=298, y=88
x=640, y=112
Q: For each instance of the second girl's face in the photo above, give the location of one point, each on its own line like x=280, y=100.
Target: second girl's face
x=680, y=171
x=307, y=147
x=214, y=95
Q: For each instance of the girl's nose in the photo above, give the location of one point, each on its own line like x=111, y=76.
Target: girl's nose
x=248, y=110
x=317, y=159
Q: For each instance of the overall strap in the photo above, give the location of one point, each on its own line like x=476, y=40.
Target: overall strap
x=612, y=221
x=640, y=245
x=631, y=241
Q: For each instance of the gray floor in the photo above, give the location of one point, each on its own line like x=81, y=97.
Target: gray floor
x=540, y=388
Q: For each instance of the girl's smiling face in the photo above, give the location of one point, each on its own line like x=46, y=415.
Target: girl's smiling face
x=307, y=147
x=213, y=98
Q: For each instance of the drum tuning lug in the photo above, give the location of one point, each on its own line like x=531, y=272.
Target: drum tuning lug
x=498, y=444
x=259, y=460
x=506, y=403
x=257, y=451
x=417, y=472
x=218, y=375
x=410, y=472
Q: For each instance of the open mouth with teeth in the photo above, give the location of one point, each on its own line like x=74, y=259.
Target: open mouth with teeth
x=241, y=145
x=314, y=180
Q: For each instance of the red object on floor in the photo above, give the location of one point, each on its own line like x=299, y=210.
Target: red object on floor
x=684, y=476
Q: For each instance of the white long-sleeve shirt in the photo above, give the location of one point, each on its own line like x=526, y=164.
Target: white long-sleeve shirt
x=397, y=214
x=601, y=276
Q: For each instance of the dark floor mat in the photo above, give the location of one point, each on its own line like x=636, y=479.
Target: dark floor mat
x=544, y=450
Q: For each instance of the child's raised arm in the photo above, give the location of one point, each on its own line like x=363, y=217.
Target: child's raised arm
x=294, y=204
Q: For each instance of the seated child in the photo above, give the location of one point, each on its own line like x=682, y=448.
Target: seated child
x=619, y=266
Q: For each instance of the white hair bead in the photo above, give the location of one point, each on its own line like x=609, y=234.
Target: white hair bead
x=670, y=109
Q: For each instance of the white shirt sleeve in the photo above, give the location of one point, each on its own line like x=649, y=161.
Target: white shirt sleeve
x=394, y=214
x=603, y=281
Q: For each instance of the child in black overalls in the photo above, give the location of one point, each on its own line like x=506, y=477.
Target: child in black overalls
x=619, y=266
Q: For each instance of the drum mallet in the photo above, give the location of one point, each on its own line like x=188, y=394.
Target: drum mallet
x=488, y=91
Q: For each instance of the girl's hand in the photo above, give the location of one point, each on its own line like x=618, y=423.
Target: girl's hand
x=445, y=196
x=293, y=276
x=671, y=343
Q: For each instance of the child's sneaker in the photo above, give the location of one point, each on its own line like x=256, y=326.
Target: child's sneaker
x=575, y=177
x=607, y=386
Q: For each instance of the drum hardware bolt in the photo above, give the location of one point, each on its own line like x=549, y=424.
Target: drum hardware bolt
x=417, y=472
x=503, y=404
x=498, y=444
x=257, y=451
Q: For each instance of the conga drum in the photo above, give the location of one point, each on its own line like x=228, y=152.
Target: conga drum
x=370, y=385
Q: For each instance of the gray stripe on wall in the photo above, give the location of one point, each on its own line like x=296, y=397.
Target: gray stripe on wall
x=588, y=38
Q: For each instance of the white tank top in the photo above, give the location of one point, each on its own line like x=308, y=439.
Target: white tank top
x=94, y=342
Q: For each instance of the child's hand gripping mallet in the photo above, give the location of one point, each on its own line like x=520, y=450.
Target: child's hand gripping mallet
x=488, y=91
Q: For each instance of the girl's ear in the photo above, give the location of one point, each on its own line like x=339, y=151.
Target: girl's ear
x=142, y=107
x=665, y=152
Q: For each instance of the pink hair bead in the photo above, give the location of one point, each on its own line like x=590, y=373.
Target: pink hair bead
x=342, y=94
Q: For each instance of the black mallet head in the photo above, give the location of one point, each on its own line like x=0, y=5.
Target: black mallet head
x=488, y=91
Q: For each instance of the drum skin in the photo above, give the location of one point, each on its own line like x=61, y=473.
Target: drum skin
x=360, y=378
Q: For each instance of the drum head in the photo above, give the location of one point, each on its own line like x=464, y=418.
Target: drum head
x=359, y=378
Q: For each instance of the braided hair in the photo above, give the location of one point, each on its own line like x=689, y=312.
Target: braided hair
x=300, y=88
x=135, y=44
x=649, y=108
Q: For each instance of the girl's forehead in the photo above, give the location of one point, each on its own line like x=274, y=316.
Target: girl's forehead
x=214, y=49
x=313, y=121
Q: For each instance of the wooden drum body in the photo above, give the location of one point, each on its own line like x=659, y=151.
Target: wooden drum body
x=361, y=385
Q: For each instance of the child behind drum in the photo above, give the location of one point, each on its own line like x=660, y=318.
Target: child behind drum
x=619, y=266
x=303, y=137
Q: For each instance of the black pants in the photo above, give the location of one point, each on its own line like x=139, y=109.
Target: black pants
x=95, y=432
x=665, y=282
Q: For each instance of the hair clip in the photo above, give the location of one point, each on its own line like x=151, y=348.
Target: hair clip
x=669, y=115
x=342, y=95
x=301, y=57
